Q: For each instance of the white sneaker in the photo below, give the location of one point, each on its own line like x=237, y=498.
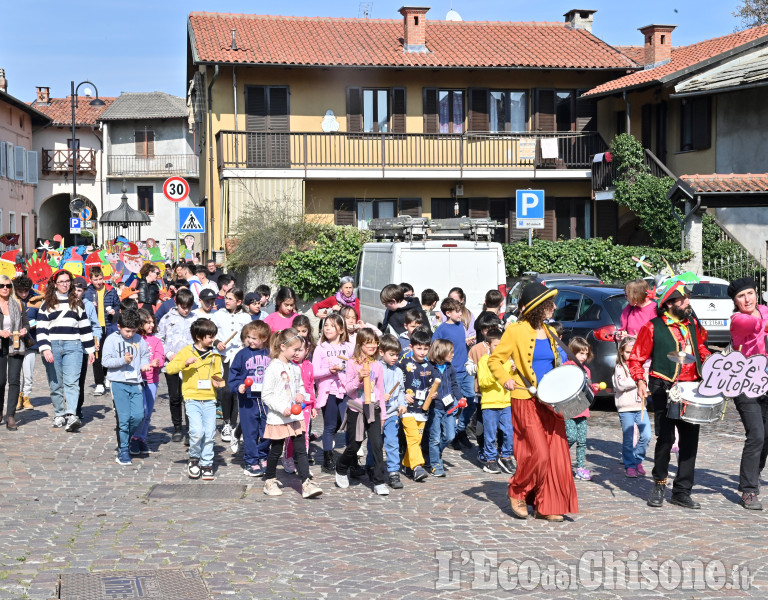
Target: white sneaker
x=59, y=421
x=289, y=465
x=361, y=451
x=342, y=481
x=226, y=432
x=272, y=488
x=381, y=489
x=309, y=489
x=107, y=385
x=99, y=391
x=234, y=445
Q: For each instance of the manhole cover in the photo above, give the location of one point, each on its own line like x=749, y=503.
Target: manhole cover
x=193, y=491
x=164, y=584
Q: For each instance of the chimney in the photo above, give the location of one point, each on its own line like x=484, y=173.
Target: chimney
x=43, y=95
x=580, y=18
x=658, y=44
x=414, y=28
x=3, y=81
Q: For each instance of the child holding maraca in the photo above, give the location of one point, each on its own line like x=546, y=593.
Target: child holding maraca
x=246, y=379
x=282, y=392
x=307, y=408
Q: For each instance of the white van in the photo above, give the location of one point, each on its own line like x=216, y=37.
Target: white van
x=475, y=266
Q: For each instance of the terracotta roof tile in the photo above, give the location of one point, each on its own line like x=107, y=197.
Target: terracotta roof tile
x=728, y=182
x=310, y=41
x=636, y=53
x=683, y=57
x=60, y=110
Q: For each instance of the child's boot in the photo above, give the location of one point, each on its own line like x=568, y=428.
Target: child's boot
x=329, y=464
x=27, y=402
x=20, y=403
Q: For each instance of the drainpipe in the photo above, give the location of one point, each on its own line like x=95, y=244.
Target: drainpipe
x=628, y=111
x=210, y=155
x=234, y=102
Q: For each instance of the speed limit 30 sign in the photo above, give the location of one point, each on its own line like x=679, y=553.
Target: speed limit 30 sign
x=176, y=189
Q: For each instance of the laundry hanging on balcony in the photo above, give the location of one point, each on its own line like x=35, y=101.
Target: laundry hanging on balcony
x=549, y=148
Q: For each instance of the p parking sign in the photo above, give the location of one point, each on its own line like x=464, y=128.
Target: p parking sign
x=529, y=209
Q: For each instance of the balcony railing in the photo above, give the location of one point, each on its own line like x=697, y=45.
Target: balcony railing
x=60, y=161
x=604, y=173
x=561, y=150
x=159, y=164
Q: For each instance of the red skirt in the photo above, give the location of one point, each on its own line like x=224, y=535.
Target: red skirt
x=543, y=477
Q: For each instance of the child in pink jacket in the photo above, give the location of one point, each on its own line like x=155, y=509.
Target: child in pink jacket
x=138, y=444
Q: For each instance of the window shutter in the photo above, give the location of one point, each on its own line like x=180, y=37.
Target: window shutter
x=32, y=168
x=255, y=108
x=661, y=131
x=586, y=114
x=8, y=158
x=549, y=231
x=150, y=143
x=354, y=109
x=18, y=162
x=479, y=208
x=3, y=159
x=545, y=110
x=646, y=125
x=398, y=110
x=478, y=110
x=278, y=119
x=606, y=218
x=702, y=122
x=344, y=211
x=410, y=207
x=139, y=143
x=431, y=117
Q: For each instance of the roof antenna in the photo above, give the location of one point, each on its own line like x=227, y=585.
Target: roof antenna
x=364, y=11
x=234, y=41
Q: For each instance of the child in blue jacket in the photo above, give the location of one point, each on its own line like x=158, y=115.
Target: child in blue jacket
x=442, y=422
x=250, y=363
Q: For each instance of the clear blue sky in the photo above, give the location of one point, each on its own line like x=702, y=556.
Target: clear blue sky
x=140, y=45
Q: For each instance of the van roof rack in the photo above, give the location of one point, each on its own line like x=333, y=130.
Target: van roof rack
x=420, y=228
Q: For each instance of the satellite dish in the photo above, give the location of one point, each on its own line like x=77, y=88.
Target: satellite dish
x=453, y=16
x=77, y=204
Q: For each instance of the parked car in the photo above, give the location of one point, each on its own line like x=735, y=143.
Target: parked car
x=713, y=307
x=515, y=286
x=593, y=311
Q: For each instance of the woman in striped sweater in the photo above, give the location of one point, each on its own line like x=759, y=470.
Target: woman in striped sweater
x=63, y=334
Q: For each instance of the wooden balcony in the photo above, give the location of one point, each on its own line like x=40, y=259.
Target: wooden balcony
x=460, y=153
x=60, y=161
x=159, y=165
x=604, y=174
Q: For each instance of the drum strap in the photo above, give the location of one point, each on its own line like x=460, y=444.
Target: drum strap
x=576, y=361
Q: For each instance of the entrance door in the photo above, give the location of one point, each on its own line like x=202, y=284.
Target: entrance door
x=267, y=124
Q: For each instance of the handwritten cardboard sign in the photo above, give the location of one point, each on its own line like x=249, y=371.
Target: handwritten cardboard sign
x=733, y=374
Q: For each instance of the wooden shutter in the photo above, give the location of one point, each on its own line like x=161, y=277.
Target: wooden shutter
x=32, y=167
x=431, y=116
x=255, y=108
x=150, y=141
x=550, y=222
x=646, y=125
x=545, y=110
x=410, y=207
x=3, y=159
x=277, y=110
x=478, y=110
x=19, y=162
x=398, y=110
x=140, y=143
x=606, y=218
x=702, y=122
x=661, y=131
x=586, y=114
x=479, y=208
x=344, y=211
x=354, y=109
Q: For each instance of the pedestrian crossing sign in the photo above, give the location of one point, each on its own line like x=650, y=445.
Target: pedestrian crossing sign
x=192, y=219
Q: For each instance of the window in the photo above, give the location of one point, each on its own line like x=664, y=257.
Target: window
x=359, y=211
x=12, y=222
x=695, y=123
x=566, y=306
x=69, y=144
x=375, y=111
x=450, y=105
x=145, y=143
x=508, y=111
x=373, y=209
x=146, y=202
x=573, y=218
x=564, y=110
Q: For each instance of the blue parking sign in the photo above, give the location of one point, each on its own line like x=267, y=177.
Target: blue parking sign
x=529, y=209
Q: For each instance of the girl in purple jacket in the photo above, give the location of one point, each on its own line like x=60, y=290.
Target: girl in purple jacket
x=138, y=443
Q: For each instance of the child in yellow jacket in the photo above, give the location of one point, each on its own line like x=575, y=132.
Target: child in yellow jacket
x=497, y=413
x=200, y=369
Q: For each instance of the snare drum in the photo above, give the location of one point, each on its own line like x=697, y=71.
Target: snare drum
x=566, y=390
x=691, y=406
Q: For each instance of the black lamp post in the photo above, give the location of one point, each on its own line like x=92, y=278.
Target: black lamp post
x=73, y=207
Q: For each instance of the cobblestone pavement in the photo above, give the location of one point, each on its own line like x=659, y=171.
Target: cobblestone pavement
x=69, y=508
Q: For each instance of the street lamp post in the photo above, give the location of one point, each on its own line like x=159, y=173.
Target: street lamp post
x=75, y=146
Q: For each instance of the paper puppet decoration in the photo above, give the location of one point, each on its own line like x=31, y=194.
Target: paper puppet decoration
x=132, y=261
x=38, y=271
x=8, y=263
x=9, y=239
x=73, y=263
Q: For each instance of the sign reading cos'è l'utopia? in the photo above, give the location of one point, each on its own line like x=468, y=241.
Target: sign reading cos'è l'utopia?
x=729, y=375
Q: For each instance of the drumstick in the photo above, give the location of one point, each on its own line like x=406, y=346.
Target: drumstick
x=229, y=339
x=367, y=388
x=432, y=393
x=392, y=391
x=341, y=357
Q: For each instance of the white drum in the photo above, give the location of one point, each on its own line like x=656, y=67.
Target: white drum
x=566, y=390
x=685, y=403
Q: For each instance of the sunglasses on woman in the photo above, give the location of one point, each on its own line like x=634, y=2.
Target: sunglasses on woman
x=6, y=286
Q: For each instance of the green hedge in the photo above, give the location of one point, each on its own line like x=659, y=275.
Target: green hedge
x=315, y=272
x=597, y=256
